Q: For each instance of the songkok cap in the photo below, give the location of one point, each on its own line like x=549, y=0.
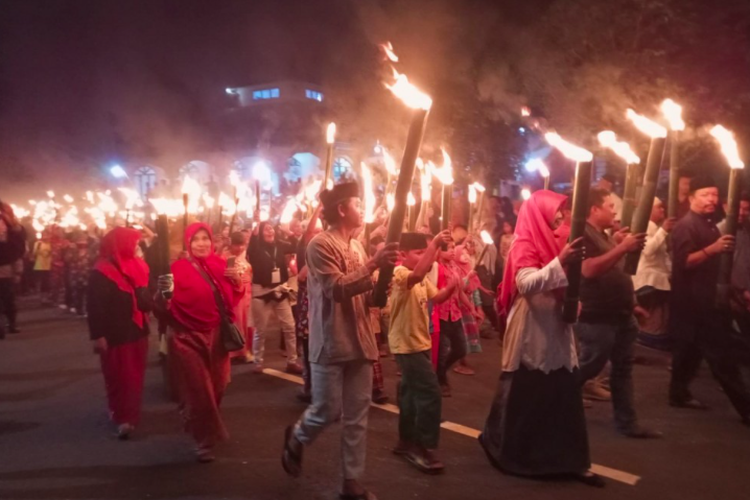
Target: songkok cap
x=701, y=182
x=339, y=193
x=412, y=241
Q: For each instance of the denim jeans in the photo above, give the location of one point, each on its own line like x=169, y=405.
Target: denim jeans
x=601, y=342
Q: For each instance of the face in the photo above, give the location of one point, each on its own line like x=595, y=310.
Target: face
x=411, y=258
x=744, y=214
x=704, y=201
x=603, y=216
x=557, y=220
x=448, y=255
x=507, y=228
x=269, y=235
x=296, y=227
x=684, y=186
x=471, y=247
x=200, y=245
x=657, y=213
x=350, y=212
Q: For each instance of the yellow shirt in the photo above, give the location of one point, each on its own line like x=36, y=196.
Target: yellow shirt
x=410, y=322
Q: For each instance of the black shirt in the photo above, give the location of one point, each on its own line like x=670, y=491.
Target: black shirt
x=694, y=289
x=110, y=312
x=264, y=258
x=609, y=297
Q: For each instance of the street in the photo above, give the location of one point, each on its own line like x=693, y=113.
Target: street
x=57, y=443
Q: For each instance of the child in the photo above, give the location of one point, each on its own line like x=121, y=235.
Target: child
x=409, y=338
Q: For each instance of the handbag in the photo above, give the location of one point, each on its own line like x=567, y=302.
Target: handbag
x=231, y=337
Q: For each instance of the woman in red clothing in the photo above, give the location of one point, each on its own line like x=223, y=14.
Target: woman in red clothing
x=118, y=324
x=198, y=360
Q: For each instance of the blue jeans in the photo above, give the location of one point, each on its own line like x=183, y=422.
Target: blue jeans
x=601, y=342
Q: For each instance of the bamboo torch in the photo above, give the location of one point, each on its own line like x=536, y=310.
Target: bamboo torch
x=330, y=139
x=262, y=176
x=190, y=194
x=645, y=205
x=412, y=213
x=608, y=139
x=673, y=113
x=370, y=201
x=729, y=149
x=445, y=175
x=426, y=192
x=420, y=104
x=487, y=240
x=583, y=159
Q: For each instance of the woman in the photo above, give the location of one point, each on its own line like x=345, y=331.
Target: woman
x=536, y=426
x=234, y=254
x=118, y=325
x=267, y=257
x=199, y=362
x=42, y=255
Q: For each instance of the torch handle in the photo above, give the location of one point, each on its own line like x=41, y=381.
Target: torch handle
x=628, y=199
x=726, y=262
x=674, y=173
x=184, y=219
x=403, y=186
x=329, y=165
x=447, y=207
x=646, y=203
x=577, y=228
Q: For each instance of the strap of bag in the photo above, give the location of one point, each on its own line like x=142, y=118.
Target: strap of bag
x=217, y=295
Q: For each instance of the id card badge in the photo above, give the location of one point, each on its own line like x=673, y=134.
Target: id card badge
x=276, y=275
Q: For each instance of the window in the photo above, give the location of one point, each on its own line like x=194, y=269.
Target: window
x=342, y=168
x=145, y=180
x=314, y=95
x=265, y=94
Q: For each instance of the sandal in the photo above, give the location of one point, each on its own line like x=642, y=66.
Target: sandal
x=290, y=461
x=205, y=454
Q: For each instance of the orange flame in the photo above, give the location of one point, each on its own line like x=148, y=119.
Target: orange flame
x=390, y=201
x=411, y=200
x=728, y=146
x=445, y=173
x=331, y=133
x=426, y=184
x=608, y=139
x=570, y=151
x=525, y=194
x=673, y=113
x=388, y=49
x=648, y=127
x=407, y=92
x=487, y=238
x=390, y=164
x=289, y=210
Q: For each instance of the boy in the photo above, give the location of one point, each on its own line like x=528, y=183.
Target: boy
x=409, y=339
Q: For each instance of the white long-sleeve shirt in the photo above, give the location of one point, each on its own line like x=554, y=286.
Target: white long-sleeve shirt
x=655, y=265
x=536, y=335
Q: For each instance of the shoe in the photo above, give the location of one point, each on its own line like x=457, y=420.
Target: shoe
x=291, y=460
x=445, y=391
x=379, y=397
x=205, y=454
x=464, y=370
x=590, y=479
x=294, y=369
x=257, y=369
x=642, y=433
x=426, y=461
x=249, y=358
x=402, y=448
x=595, y=392
x=124, y=431
x=690, y=404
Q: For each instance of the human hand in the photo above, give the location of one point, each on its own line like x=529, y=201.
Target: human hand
x=669, y=224
x=620, y=234
x=165, y=283
x=99, y=345
x=387, y=255
x=633, y=242
x=725, y=244
x=233, y=274
x=572, y=252
x=443, y=237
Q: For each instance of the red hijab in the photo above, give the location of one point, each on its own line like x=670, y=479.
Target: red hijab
x=193, y=304
x=117, y=261
x=534, y=242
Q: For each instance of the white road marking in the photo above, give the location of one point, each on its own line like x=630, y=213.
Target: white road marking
x=614, y=474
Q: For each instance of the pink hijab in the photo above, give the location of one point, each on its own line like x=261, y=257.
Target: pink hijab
x=534, y=243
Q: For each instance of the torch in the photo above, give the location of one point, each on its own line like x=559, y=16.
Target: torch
x=673, y=113
x=608, y=139
x=729, y=149
x=234, y=180
x=426, y=191
x=537, y=165
x=583, y=159
x=412, y=213
x=475, y=190
x=487, y=240
x=330, y=139
x=420, y=104
x=262, y=175
x=445, y=176
x=190, y=194
x=369, y=193
x=642, y=213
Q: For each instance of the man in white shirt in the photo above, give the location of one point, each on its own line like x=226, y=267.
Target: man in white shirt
x=651, y=282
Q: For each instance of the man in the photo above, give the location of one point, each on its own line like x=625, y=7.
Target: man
x=607, y=182
x=12, y=250
x=699, y=327
x=683, y=194
x=651, y=282
x=606, y=327
x=342, y=345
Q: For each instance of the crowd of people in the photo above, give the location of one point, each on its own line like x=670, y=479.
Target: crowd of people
x=449, y=290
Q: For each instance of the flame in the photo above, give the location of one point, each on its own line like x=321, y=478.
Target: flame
x=388, y=49
x=90, y=197
x=472, y=194
x=209, y=201
x=525, y=111
x=608, y=139
x=525, y=194
x=410, y=199
x=390, y=164
x=648, y=127
x=289, y=210
x=728, y=146
x=420, y=164
x=370, y=201
x=426, y=184
x=673, y=113
x=191, y=187
x=570, y=151
x=407, y=92
x=390, y=201
x=51, y=193
x=262, y=173
x=107, y=204
x=331, y=133
x=227, y=204
x=312, y=190
x=68, y=198
x=132, y=198
x=445, y=173
x=487, y=238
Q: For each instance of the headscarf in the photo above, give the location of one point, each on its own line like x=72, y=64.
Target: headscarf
x=193, y=304
x=534, y=243
x=118, y=263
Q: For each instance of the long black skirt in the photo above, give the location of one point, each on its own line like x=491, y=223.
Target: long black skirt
x=536, y=426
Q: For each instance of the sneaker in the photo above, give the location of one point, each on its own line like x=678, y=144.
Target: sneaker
x=294, y=369
x=595, y=392
x=426, y=461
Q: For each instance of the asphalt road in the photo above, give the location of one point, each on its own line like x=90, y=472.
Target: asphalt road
x=56, y=442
